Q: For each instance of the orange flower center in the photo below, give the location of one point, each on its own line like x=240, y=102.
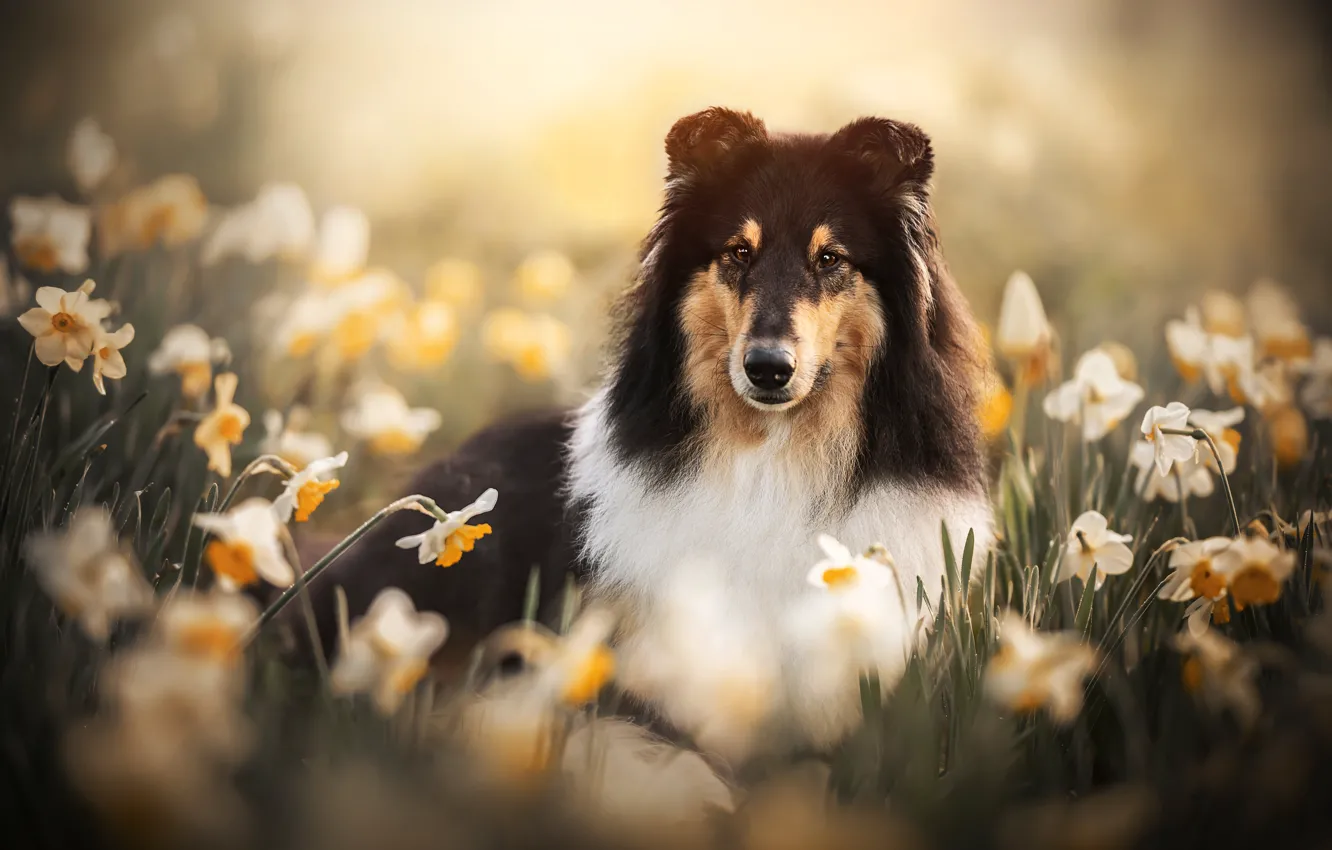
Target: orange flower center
x=394, y=442
x=157, y=224
x=532, y=363
x=590, y=677
x=1191, y=673
x=64, y=322
x=406, y=675
x=1231, y=437
x=311, y=495
x=209, y=639
x=1028, y=701
x=38, y=252
x=1205, y=581
x=355, y=335
x=233, y=560
x=840, y=576
x=995, y=412
x=1254, y=585
x=230, y=427
x=195, y=378
x=1188, y=371
x=301, y=344
x=1221, y=612
x=1287, y=348
x=462, y=540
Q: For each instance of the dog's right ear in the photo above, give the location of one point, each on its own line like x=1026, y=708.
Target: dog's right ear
x=702, y=142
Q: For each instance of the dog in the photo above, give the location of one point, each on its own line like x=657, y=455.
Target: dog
x=793, y=359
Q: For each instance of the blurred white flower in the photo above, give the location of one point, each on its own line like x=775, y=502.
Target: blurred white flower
x=279, y=222
x=223, y=427
x=342, y=246
x=247, y=546
x=1096, y=396
x=1168, y=448
x=447, y=540
x=188, y=351
x=456, y=283
x=84, y=570
x=361, y=309
x=171, y=210
x=65, y=324
x=1024, y=334
x=424, y=337
x=1316, y=395
x=536, y=345
x=1092, y=543
x=1034, y=670
x=582, y=663
x=1194, y=576
x=304, y=322
x=1254, y=570
x=544, y=276
x=1223, y=314
x=1277, y=327
x=1220, y=673
x=1197, y=353
x=1220, y=426
x=841, y=570
x=91, y=155
x=290, y=441
x=1268, y=385
x=305, y=491
x=387, y=652
x=50, y=234
x=107, y=359
x=1193, y=477
x=206, y=626
x=381, y=416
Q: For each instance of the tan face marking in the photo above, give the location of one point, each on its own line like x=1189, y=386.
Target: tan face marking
x=821, y=239
x=752, y=233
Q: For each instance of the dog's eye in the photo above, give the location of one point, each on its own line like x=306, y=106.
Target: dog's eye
x=828, y=260
x=740, y=253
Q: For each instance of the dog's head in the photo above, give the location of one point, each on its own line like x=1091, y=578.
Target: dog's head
x=786, y=274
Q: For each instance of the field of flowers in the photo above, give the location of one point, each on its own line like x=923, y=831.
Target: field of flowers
x=1145, y=659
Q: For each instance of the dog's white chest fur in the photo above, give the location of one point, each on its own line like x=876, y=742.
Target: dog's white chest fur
x=756, y=519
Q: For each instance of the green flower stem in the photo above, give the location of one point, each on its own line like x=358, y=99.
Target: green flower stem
x=1203, y=437
x=253, y=468
x=405, y=503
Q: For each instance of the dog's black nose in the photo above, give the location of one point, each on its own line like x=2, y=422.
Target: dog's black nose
x=769, y=368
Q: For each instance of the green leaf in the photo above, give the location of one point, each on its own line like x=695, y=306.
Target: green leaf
x=1082, y=620
x=532, y=597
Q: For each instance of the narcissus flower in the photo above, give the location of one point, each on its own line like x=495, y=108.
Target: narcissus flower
x=247, y=546
x=1169, y=448
x=87, y=574
x=277, y=223
x=1186, y=479
x=307, y=488
x=1097, y=396
x=995, y=406
x=170, y=210
x=581, y=664
x=1197, y=353
x=65, y=324
x=447, y=540
x=841, y=570
x=1254, y=570
x=387, y=652
x=290, y=441
x=50, y=235
x=224, y=427
x=1290, y=436
x=90, y=155
x=1316, y=395
x=1034, y=670
x=424, y=337
x=1220, y=673
x=1222, y=314
x=1092, y=543
x=1024, y=335
x=1220, y=426
x=188, y=351
x=1196, y=577
x=1126, y=363
x=107, y=359
x=342, y=246
x=536, y=345
x=381, y=416
x=544, y=276
x=206, y=626
x=1277, y=327
x=454, y=282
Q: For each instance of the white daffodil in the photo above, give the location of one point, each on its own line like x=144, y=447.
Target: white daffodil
x=84, y=570
x=1195, y=577
x=1197, y=353
x=361, y=309
x=455, y=282
x=1254, y=570
x=1034, y=670
x=423, y=338
x=1096, y=396
x=447, y=540
x=306, y=489
x=1220, y=426
x=1316, y=395
x=188, y=351
x=1220, y=673
x=1186, y=479
x=536, y=345
x=223, y=427
x=544, y=276
x=841, y=570
x=206, y=626
x=581, y=663
x=1024, y=334
x=1277, y=327
x=277, y=223
x=50, y=235
x=1223, y=314
x=342, y=246
x=91, y=155
x=247, y=546
x=1169, y=448
x=1092, y=543
x=64, y=325
x=171, y=210
x=381, y=416
x=107, y=359
x=290, y=441
x=304, y=322
x=387, y=652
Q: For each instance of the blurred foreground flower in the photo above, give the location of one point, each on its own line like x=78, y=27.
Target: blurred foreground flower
x=582, y=663
x=455, y=282
x=65, y=324
x=1169, y=448
x=447, y=540
x=342, y=246
x=170, y=210
x=188, y=351
x=1254, y=570
x=1277, y=327
x=380, y=415
x=995, y=405
x=1092, y=543
x=206, y=626
x=87, y=574
x=50, y=234
x=387, y=652
x=1034, y=670
x=1220, y=673
x=90, y=155
x=1195, y=576
x=536, y=345
x=423, y=338
x=1097, y=396
x=224, y=427
x=107, y=359
x=247, y=546
x=277, y=223
x=1290, y=436
x=1024, y=335
x=544, y=277
x=307, y=488
x=289, y=441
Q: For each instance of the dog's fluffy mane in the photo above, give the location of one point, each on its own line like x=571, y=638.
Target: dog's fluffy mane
x=917, y=406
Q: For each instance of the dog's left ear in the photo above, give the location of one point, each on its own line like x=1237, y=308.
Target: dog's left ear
x=897, y=153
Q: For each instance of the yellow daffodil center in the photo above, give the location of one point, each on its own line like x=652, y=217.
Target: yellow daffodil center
x=209, y=639
x=405, y=676
x=1231, y=437
x=995, y=411
x=64, y=322
x=1254, y=585
x=1033, y=368
x=355, y=335
x=532, y=364
x=156, y=224
x=1205, y=581
x=301, y=344
x=1221, y=612
x=1191, y=673
x=1028, y=701
x=233, y=560
x=1296, y=347
x=311, y=495
x=195, y=377
x=840, y=576
x=590, y=677
x=230, y=427
x=37, y=253
x=394, y=441
x=462, y=540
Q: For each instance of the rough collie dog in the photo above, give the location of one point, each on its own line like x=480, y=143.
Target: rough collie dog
x=794, y=360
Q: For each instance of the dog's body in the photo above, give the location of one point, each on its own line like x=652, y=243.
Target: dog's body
x=795, y=360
